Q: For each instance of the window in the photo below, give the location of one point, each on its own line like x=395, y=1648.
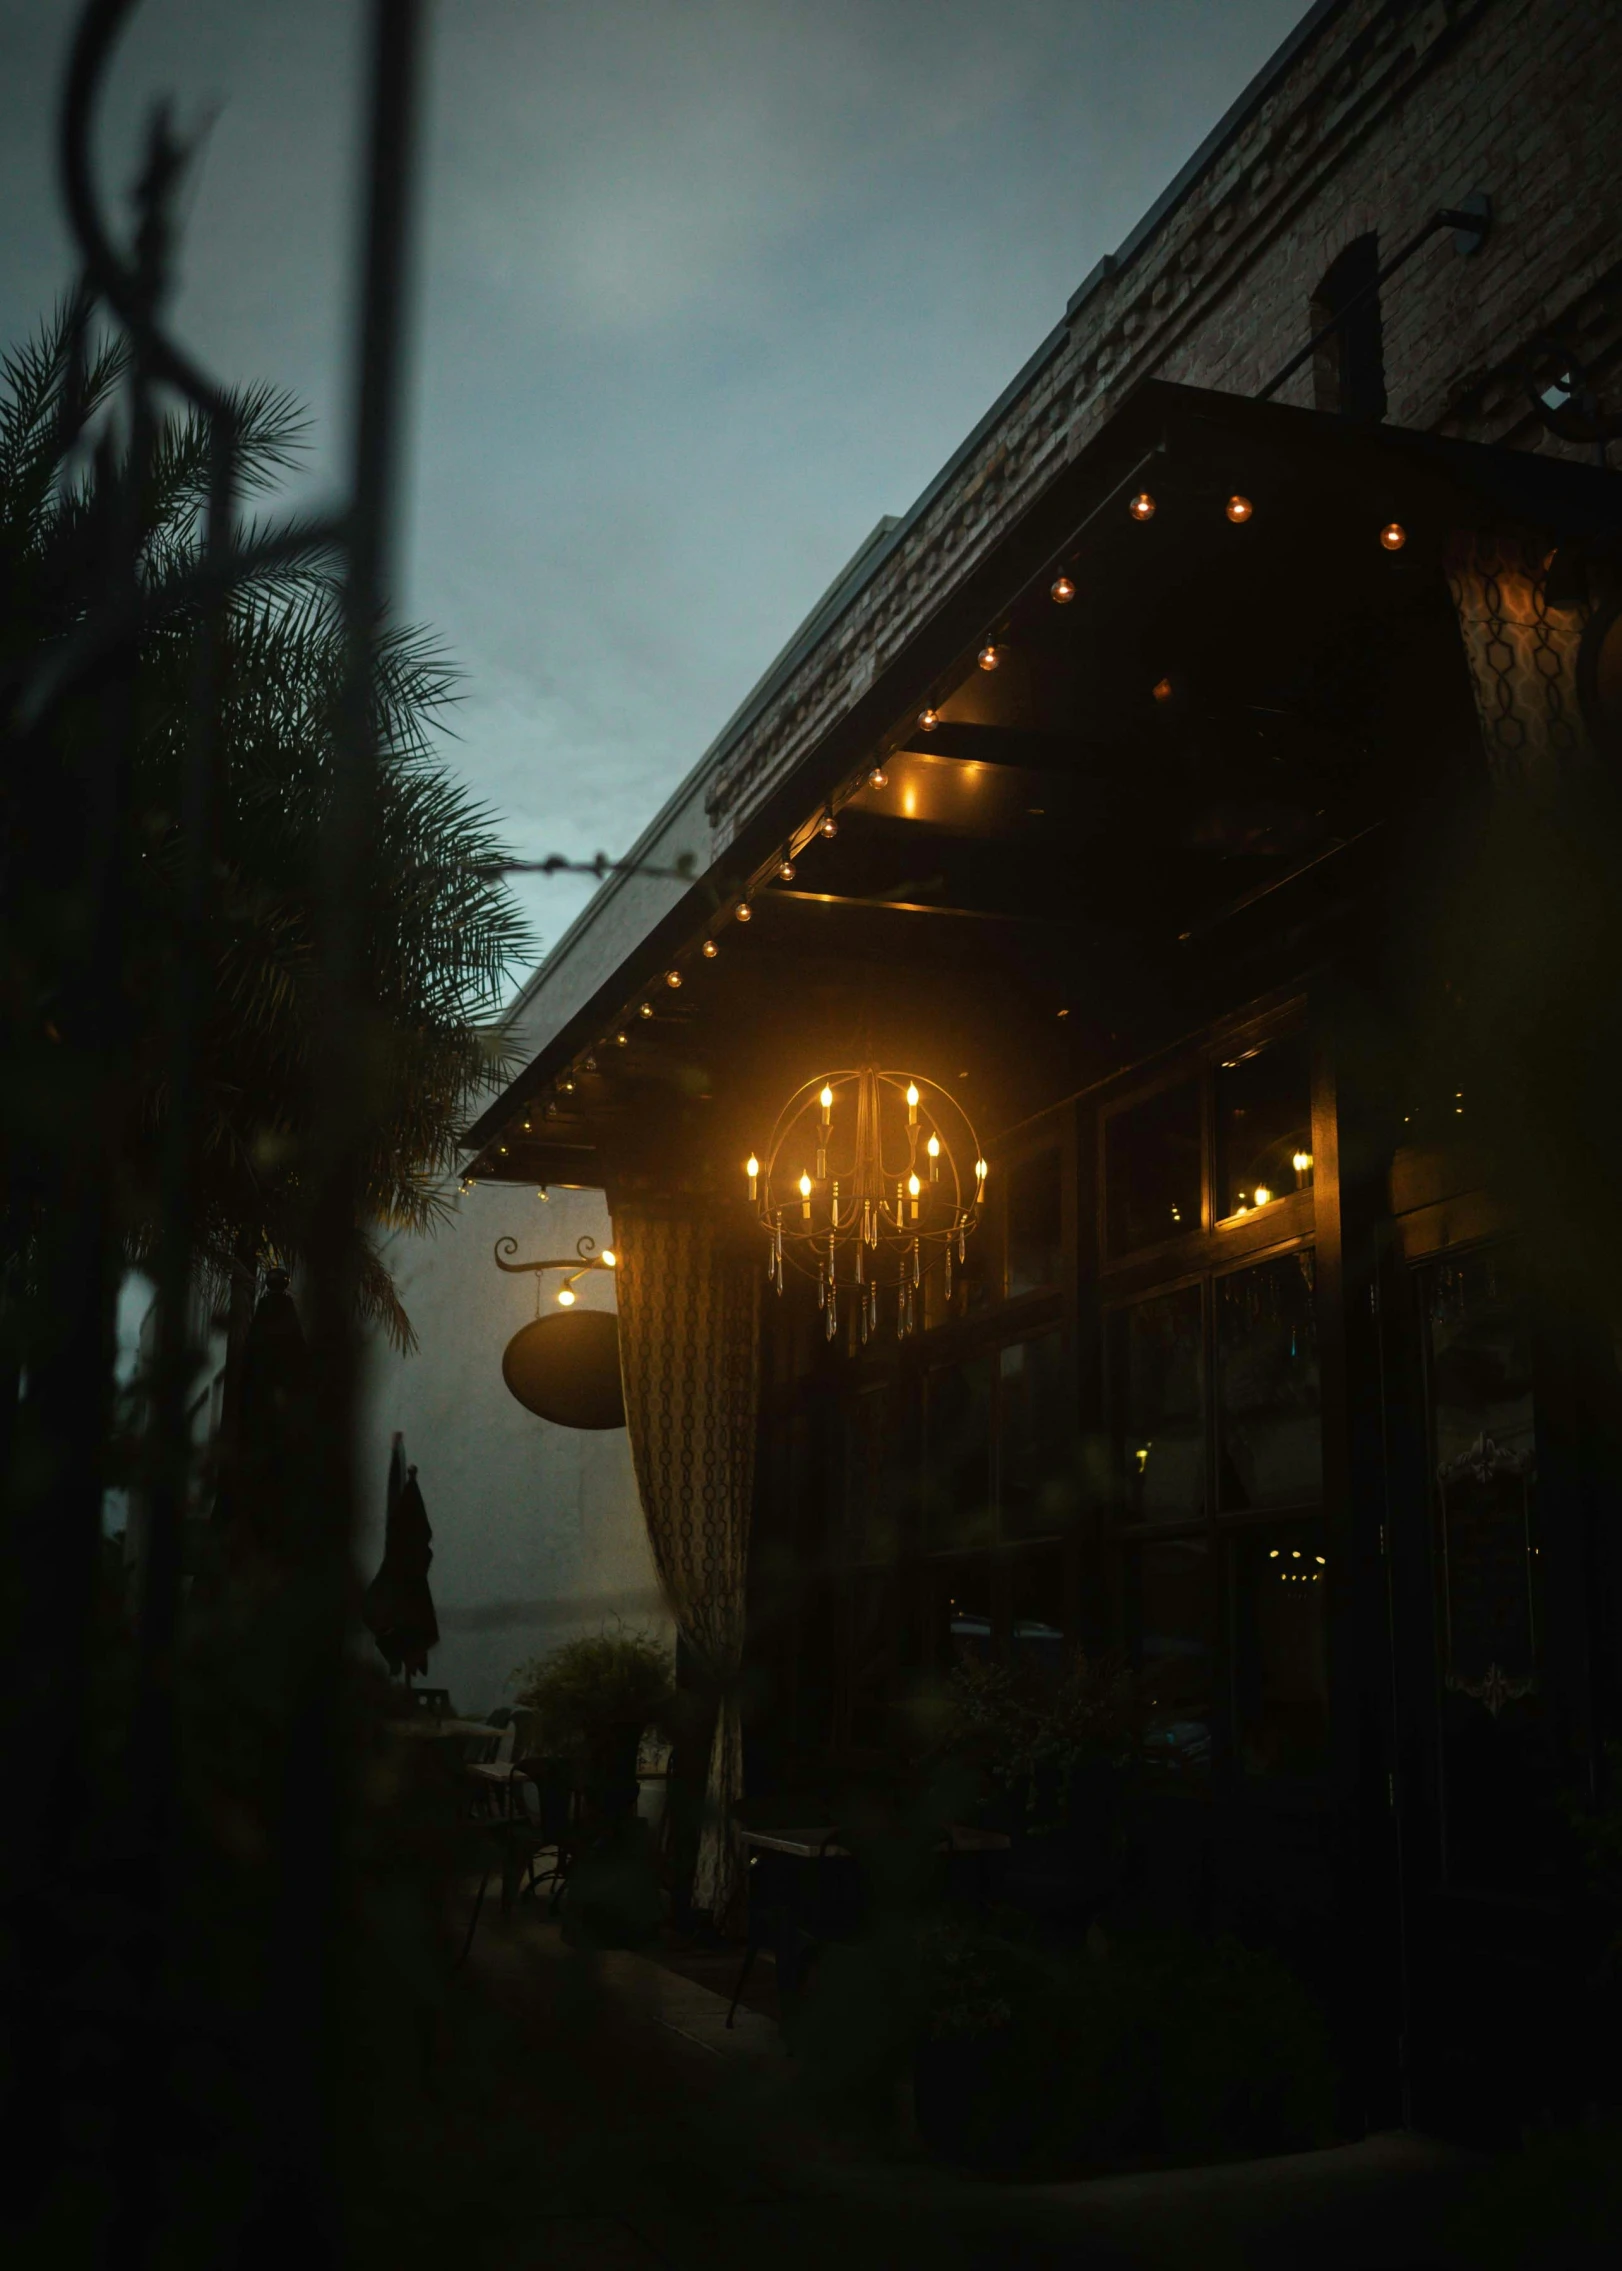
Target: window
x=1281, y=1653
x=1173, y=1636
x=1037, y=1637
x=1349, y=366
x=1035, y=1485
x=1270, y=1450
x=957, y=1453
x=1035, y=1244
x=1158, y=1392
x=1152, y=1160
x=1263, y=1127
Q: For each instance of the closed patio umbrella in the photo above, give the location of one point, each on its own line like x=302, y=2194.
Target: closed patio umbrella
x=399, y=1608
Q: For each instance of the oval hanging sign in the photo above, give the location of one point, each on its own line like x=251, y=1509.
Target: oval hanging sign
x=567, y=1369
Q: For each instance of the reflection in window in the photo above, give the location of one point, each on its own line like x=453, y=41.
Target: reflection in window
x=960, y=1611
x=957, y=1456
x=1264, y=1126
x=1267, y=1385
x=1035, y=1483
x=1036, y=1634
x=1035, y=1247
x=1152, y=1170
x=1174, y=1650
x=1159, y=1383
x=1281, y=1656
x=1500, y=1763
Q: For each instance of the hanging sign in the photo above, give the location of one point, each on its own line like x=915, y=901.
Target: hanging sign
x=566, y=1368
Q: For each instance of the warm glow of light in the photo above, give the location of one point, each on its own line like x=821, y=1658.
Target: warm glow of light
x=830, y=826
x=1273, y=1553
x=912, y=1095
x=1061, y=591
x=567, y=1087
x=1238, y=509
x=751, y=1167
x=744, y=912
x=826, y=1099
x=645, y=1009
x=610, y=1258
x=805, y=1186
x=711, y=950
x=1162, y=689
x=672, y=977
x=1302, y=1162
x=928, y=720
x=622, y=1040
x=913, y=1186
x=1393, y=536
x=933, y=1147
x=785, y=869
x=909, y=802
x=988, y=658
x=1142, y=506
x=981, y=1170
x=565, y=1296
x=1263, y=1195
x=878, y=778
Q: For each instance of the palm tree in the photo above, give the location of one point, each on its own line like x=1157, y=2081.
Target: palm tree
x=442, y=929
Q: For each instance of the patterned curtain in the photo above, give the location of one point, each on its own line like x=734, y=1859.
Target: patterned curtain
x=1522, y=654
x=688, y=1310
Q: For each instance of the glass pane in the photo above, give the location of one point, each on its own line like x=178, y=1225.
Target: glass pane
x=957, y=1457
x=873, y=1657
x=872, y=1475
x=1174, y=1650
x=1035, y=1246
x=1264, y=1126
x=1036, y=1485
x=1281, y=1652
x=1271, y=1450
x=1152, y=1170
x=1500, y=1760
x=1037, y=1626
x=960, y=1611
x=1159, y=1389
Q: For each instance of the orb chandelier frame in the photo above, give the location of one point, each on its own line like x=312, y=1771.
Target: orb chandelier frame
x=861, y=1189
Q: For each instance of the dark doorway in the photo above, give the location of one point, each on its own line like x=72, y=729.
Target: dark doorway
x=1349, y=367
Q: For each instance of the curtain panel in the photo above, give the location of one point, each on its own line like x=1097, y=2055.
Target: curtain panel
x=689, y=1353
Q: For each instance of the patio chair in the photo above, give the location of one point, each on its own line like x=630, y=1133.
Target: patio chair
x=541, y=1819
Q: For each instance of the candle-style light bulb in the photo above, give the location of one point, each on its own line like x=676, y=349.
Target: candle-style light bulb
x=751, y=1168
x=933, y=1147
x=826, y=1100
x=610, y=1258
x=981, y=1170
x=912, y=1103
x=805, y=1198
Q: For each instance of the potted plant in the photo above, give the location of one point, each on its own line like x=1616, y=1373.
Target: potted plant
x=593, y=1699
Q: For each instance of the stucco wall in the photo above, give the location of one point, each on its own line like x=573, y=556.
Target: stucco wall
x=537, y=1529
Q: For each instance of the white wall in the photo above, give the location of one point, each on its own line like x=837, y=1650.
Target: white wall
x=538, y=1532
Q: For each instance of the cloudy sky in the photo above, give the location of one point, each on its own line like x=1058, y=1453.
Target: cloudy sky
x=706, y=287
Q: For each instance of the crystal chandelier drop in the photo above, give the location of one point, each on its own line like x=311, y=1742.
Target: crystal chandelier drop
x=861, y=1189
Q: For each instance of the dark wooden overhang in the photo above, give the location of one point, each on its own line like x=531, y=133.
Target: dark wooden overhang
x=1172, y=784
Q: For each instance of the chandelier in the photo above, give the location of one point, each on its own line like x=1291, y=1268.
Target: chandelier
x=860, y=1188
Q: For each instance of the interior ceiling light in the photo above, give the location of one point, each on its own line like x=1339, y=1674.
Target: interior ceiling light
x=1238, y=509
x=1061, y=591
x=928, y=720
x=1142, y=506
x=878, y=778
x=1393, y=536
x=989, y=657
x=868, y=1222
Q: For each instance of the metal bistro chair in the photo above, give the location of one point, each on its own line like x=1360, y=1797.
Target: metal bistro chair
x=518, y=1839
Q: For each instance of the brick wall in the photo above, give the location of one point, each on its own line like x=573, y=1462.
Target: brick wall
x=1393, y=108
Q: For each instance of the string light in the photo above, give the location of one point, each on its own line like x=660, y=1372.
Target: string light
x=1393, y=536
x=928, y=720
x=645, y=1009
x=710, y=950
x=989, y=657
x=672, y=978
x=1061, y=591
x=785, y=870
x=1238, y=509
x=744, y=912
x=1142, y=506
x=1162, y=689
x=829, y=826
x=622, y=1040
x=1264, y=1196
x=1302, y=1162
x=878, y=778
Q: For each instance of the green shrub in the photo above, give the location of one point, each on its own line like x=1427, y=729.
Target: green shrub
x=588, y=1688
